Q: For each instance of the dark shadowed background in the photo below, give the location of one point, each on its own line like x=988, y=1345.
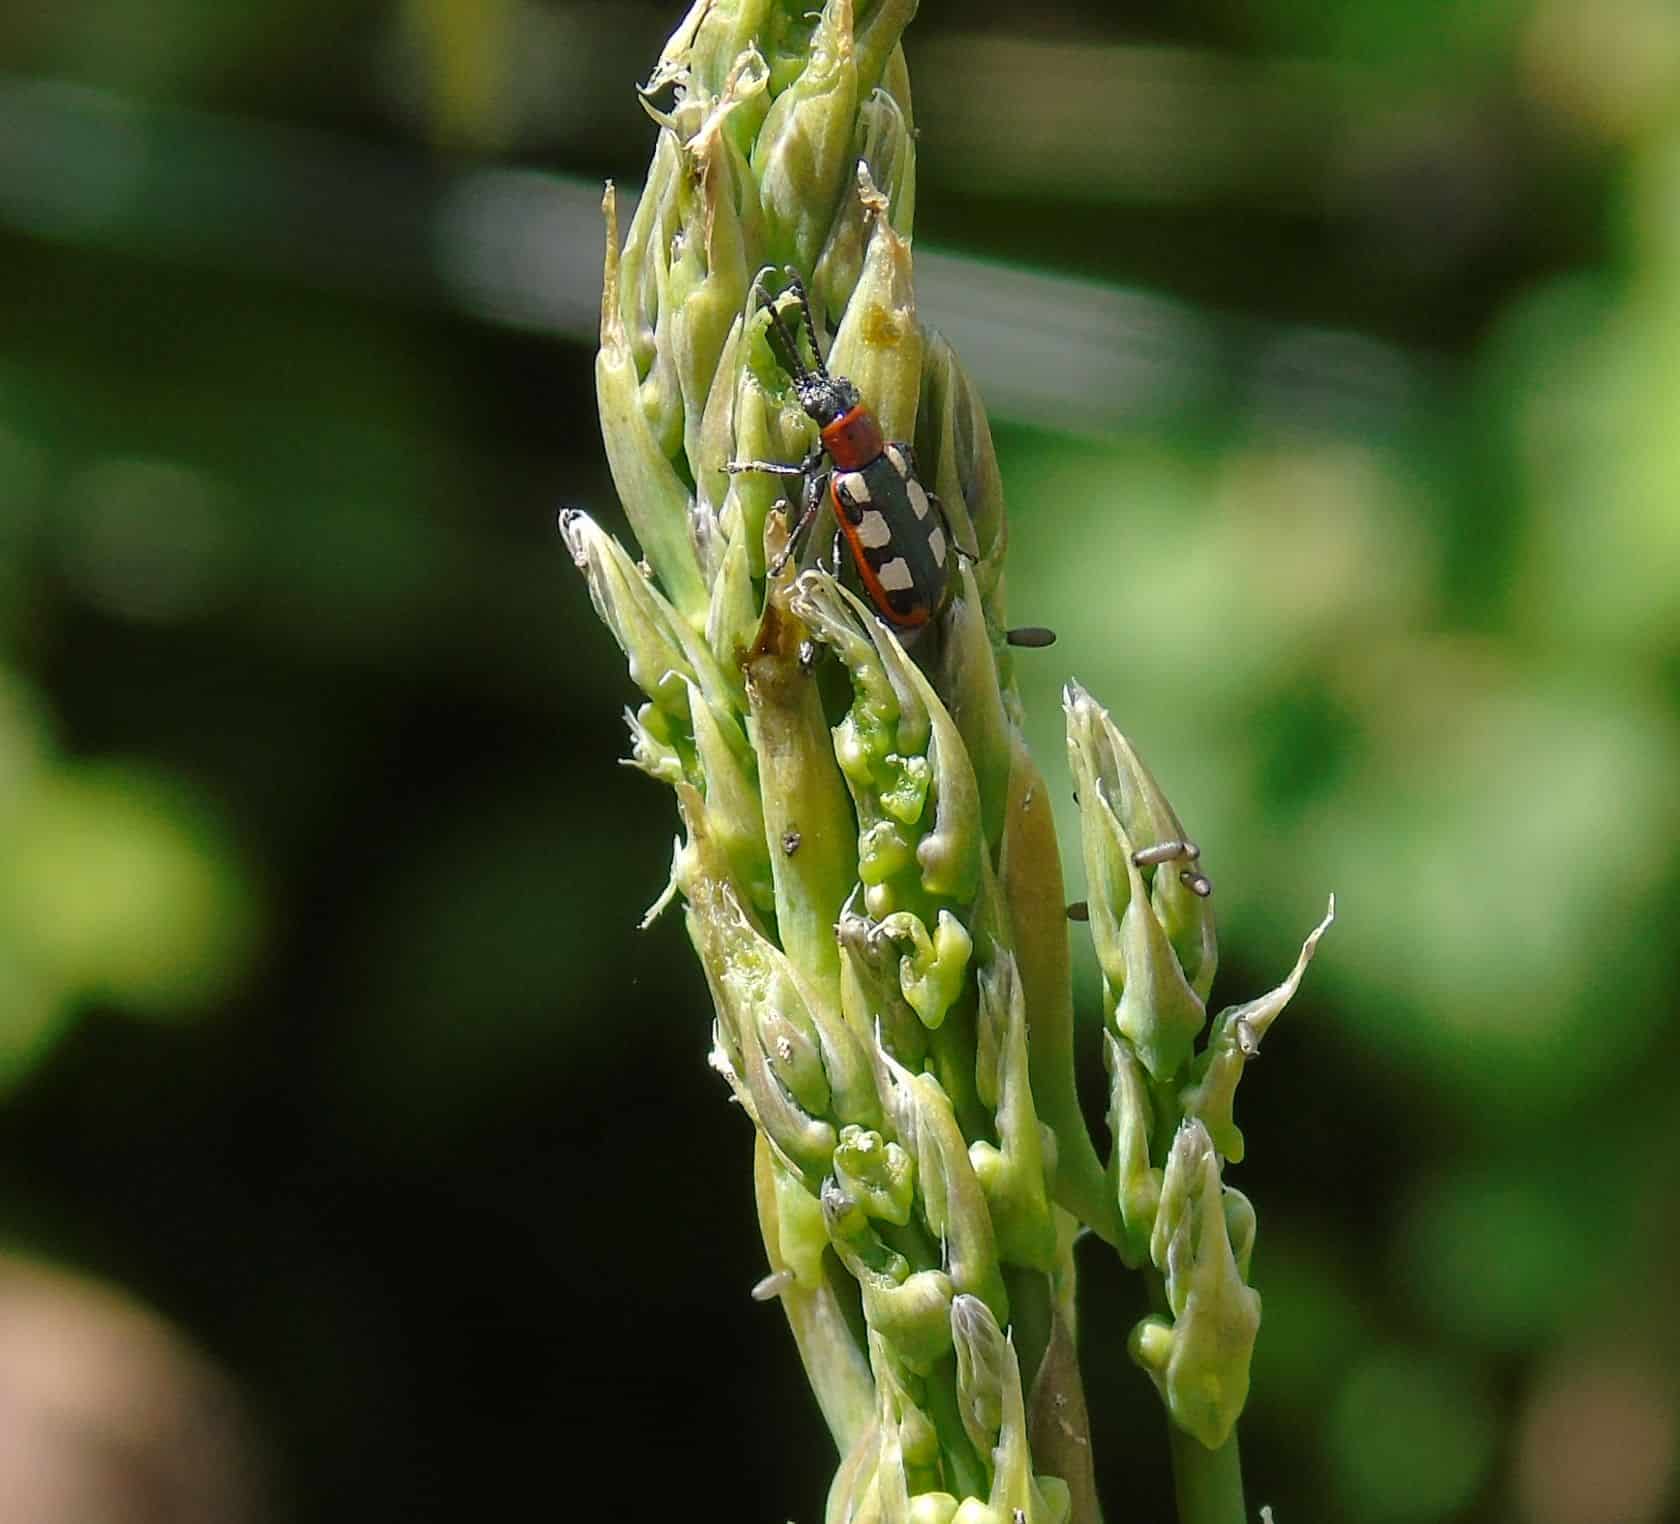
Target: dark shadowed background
x=358, y=1158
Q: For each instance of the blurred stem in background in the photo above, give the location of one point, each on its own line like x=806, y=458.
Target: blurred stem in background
x=878, y=908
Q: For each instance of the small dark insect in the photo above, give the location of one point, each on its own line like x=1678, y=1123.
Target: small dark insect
x=895, y=531
x=790, y=842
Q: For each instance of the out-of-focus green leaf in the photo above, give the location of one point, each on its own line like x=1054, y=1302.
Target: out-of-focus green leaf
x=120, y=884
x=1411, y=1437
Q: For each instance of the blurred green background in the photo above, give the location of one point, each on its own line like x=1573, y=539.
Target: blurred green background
x=1333, y=348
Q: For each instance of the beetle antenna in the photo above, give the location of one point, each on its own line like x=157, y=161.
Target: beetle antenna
x=798, y=284
x=796, y=361
x=790, y=342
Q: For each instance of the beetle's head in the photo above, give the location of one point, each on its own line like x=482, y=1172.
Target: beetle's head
x=825, y=397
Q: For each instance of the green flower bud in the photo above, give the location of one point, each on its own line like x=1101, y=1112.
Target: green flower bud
x=733, y=813
x=877, y=744
x=645, y=422
x=982, y=1355
x=872, y=994
x=914, y=1316
x=665, y=656
x=660, y=394
x=993, y=1413
x=720, y=230
x=732, y=619
x=973, y=1511
x=876, y=42
x=754, y=415
x=1235, y=1038
x=652, y=746
x=1151, y=1002
x=932, y=973
x=918, y=1438
x=697, y=310
x=707, y=46
x=877, y=1175
x=791, y=1052
x=949, y=854
x=1168, y=861
x=795, y=1238
x=1131, y=1120
x=801, y=1231
x=677, y=56
x=886, y=1500
x=895, y=77
x=1017, y=1493
x=991, y=1040
x=725, y=1057
x=804, y=1142
x=1013, y=1176
x=933, y=1508
x=953, y=1204
x=894, y=716
x=847, y=1493
x=879, y=343
x=910, y=1310
x=762, y=1001
x=885, y=853
x=631, y=282
x=1030, y=879
x=899, y=1103
x=639, y=443
x=954, y=452
x=969, y=684
x=807, y=822
x=1200, y=1361
x=882, y=144
x=847, y=1221
x=714, y=446
x=802, y=153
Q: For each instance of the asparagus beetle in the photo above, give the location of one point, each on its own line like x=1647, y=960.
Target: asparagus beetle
x=896, y=531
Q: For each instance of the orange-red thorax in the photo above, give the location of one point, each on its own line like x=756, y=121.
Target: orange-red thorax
x=853, y=439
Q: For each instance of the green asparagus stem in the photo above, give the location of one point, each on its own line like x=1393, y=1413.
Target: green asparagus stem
x=868, y=868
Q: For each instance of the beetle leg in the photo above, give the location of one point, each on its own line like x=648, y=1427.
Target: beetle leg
x=811, y=501
x=768, y=467
x=950, y=534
